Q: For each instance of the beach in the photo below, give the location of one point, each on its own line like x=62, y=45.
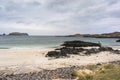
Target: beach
x=33, y=60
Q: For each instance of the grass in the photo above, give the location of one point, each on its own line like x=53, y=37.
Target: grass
x=103, y=72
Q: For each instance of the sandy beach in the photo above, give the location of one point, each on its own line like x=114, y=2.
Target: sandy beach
x=30, y=60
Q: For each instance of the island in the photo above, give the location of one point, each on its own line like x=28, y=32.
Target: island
x=18, y=34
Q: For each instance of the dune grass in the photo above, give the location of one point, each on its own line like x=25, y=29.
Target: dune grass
x=103, y=72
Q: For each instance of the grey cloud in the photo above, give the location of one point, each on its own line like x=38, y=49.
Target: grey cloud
x=84, y=16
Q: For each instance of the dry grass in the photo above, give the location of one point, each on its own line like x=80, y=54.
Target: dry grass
x=104, y=72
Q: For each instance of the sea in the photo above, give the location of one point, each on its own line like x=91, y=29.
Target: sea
x=41, y=42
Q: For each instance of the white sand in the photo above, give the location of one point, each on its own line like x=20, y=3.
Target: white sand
x=20, y=61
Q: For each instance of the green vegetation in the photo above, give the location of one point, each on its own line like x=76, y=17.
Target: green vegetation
x=103, y=72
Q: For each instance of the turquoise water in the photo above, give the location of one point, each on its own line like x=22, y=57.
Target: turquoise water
x=20, y=42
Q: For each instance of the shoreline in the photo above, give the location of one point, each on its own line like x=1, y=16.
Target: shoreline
x=30, y=60
x=42, y=48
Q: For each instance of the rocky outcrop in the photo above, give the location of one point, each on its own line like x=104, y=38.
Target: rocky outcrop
x=80, y=44
x=66, y=52
x=74, y=48
x=17, y=34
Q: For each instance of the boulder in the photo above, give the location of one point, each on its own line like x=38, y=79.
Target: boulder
x=55, y=54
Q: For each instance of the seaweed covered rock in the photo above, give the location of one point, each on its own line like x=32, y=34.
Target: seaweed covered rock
x=75, y=47
x=79, y=44
x=55, y=54
x=63, y=52
x=105, y=49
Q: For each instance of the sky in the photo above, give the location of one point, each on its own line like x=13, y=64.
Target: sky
x=59, y=17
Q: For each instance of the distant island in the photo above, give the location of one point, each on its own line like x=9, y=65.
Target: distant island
x=105, y=35
x=15, y=34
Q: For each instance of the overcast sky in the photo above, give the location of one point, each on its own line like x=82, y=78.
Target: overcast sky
x=59, y=17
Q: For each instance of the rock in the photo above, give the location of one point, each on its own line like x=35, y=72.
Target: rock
x=98, y=64
x=74, y=47
x=52, y=54
x=116, y=51
x=17, y=34
x=105, y=49
x=64, y=52
x=92, y=51
x=0, y=78
x=118, y=40
x=79, y=44
x=55, y=54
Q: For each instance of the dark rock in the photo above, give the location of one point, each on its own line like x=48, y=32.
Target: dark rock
x=52, y=54
x=64, y=52
x=55, y=54
x=79, y=44
x=118, y=40
x=0, y=78
x=74, y=47
x=98, y=64
x=105, y=49
x=92, y=51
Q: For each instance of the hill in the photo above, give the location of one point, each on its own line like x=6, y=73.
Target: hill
x=105, y=35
